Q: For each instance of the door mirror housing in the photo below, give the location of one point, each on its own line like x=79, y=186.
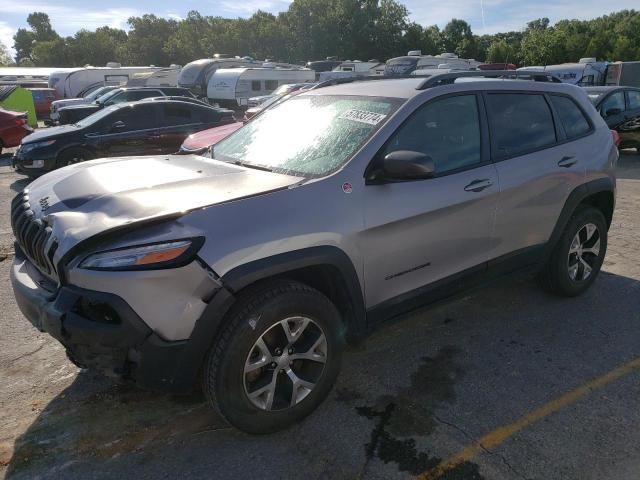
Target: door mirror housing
x=403, y=166
x=117, y=126
x=612, y=111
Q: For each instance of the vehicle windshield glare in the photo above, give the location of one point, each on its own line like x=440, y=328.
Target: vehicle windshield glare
x=107, y=96
x=308, y=135
x=95, y=117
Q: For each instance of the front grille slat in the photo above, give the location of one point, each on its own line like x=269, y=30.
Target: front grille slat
x=32, y=234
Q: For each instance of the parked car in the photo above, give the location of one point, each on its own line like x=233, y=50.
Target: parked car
x=137, y=128
x=67, y=102
x=13, y=128
x=72, y=114
x=620, y=108
x=316, y=221
x=199, y=142
x=179, y=99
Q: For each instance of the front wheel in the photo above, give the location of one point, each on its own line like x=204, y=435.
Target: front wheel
x=276, y=360
x=73, y=155
x=577, y=258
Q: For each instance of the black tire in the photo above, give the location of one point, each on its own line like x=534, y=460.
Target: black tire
x=224, y=380
x=73, y=155
x=557, y=276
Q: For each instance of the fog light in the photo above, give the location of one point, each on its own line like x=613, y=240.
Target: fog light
x=35, y=164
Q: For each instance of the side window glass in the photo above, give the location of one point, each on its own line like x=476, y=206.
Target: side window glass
x=447, y=130
x=612, y=105
x=270, y=84
x=256, y=85
x=520, y=123
x=573, y=120
x=176, y=115
x=140, y=94
x=634, y=99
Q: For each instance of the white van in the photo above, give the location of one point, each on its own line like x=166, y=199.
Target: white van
x=78, y=82
x=232, y=87
x=587, y=72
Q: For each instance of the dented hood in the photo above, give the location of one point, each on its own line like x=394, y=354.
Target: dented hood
x=90, y=198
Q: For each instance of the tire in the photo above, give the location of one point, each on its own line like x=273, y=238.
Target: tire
x=260, y=314
x=73, y=155
x=567, y=273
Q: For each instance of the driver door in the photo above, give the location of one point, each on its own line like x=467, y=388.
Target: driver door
x=439, y=229
x=130, y=131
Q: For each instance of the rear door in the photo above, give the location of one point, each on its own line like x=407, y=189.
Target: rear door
x=177, y=121
x=612, y=109
x=538, y=166
x=420, y=232
x=131, y=130
x=630, y=131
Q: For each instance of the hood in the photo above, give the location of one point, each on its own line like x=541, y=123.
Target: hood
x=49, y=132
x=83, y=106
x=89, y=198
x=67, y=102
x=206, y=138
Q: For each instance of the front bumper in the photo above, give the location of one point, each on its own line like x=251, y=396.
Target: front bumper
x=102, y=332
x=22, y=161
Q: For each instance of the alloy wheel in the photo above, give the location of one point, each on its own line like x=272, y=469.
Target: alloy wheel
x=583, y=252
x=285, y=364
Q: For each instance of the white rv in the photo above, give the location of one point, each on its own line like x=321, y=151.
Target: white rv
x=414, y=60
x=232, y=87
x=354, y=68
x=623, y=73
x=587, y=72
x=77, y=82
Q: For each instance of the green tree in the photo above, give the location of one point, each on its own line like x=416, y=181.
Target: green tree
x=51, y=53
x=454, y=35
x=5, y=56
x=146, y=40
x=96, y=48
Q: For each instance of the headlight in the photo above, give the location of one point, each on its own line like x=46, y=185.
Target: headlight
x=30, y=146
x=145, y=257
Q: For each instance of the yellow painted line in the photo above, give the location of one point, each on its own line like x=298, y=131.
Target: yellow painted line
x=500, y=435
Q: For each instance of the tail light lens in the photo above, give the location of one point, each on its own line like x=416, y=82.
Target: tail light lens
x=20, y=121
x=616, y=137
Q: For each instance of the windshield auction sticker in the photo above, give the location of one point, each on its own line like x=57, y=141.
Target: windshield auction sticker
x=363, y=116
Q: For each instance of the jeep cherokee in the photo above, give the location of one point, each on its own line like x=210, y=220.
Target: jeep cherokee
x=307, y=227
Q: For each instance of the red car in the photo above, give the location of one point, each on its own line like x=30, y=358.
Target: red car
x=13, y=128
x=198, y=143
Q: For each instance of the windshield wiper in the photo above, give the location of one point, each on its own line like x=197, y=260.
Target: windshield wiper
x=254, y=166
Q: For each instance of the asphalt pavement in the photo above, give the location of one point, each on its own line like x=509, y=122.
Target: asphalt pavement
x=508, y=383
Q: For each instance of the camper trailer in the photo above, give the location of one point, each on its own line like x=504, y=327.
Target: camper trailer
x=624, y=74
x=232, y=87
x=77, y=82
x=414, y=60
x=355, y=68
x=196, y=75
x=586, y=73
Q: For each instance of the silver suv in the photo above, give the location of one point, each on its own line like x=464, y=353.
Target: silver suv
x=327, y=214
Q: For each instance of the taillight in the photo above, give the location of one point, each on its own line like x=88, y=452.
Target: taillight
x=20, y=121
x=616, y=137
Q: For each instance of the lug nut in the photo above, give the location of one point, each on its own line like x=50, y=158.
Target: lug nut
x=274, y=364
x=278, y=351
x=291, y=351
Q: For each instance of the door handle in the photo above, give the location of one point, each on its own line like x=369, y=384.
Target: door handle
x=478, y=185
x=567, y=162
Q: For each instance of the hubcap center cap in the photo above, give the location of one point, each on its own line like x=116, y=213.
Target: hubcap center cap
x=283, y=361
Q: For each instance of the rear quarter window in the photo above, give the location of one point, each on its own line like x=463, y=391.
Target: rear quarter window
x=572, y=118
x=520, y=123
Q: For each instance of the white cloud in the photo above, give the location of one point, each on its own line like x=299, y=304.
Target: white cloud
x=249, y=7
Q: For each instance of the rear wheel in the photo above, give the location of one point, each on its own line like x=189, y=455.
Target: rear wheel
x=276, y=360
x=577, y=258
x=73, y=155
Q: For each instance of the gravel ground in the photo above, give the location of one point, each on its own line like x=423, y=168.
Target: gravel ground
x=413, y=394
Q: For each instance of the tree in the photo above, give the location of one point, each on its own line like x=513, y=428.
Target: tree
x=5, y=56
x=25, y=40
x=41, y=27
x=454, y=34
x=96, y=48
x=147, y=37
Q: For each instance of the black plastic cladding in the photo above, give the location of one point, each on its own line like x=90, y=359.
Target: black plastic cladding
x=32, y=235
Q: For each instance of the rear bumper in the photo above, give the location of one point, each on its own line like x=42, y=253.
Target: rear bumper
x=102, y=332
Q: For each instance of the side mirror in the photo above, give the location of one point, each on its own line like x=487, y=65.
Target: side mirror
x=117, y=126
x=404, y=165
x=612, y=111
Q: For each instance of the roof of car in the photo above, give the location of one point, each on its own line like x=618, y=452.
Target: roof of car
x=609, y=88
x=410, y=87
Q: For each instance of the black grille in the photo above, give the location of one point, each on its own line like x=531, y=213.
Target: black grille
x=32, y=234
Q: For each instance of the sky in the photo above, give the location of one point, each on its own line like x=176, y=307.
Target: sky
x=484, y=16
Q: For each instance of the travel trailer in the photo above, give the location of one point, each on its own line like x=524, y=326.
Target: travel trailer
x=232, y=87
x=196, y=75
x=587, y=72
x=623, y=73
x=77, y=82
x=35, y=74
x=355, y=68
x=416, y=61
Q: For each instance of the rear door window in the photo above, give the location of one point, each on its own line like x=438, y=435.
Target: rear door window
x=573, y=120
x=447, y=130
x=135, y=95
x=520, y=123
x=634, y=99
x=177, y=115
x=138, y=117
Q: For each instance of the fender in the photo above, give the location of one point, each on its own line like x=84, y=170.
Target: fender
x=577, y=196
x=244, y=275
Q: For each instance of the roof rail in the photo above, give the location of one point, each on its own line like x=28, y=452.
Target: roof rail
x=358, y=78
x=449, y=78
